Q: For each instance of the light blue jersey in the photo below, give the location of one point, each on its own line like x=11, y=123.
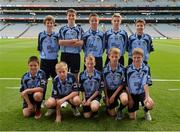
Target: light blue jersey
x=113, y=79
x=67, y=33
x=48, y=45
x=136, y=79
x=116, y=39
x=90, y=84
x=144, y=42
x=94, y=43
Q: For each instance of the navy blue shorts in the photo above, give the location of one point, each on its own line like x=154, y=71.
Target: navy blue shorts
x=31, y=99
x=137, y=98
x=48, y=66
x=72, y=60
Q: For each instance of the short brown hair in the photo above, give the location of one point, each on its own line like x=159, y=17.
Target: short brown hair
x=33, y=58
x=138, y=51
x=93, y=15
x=140, y=20
x=49, y=18
x=71, y=11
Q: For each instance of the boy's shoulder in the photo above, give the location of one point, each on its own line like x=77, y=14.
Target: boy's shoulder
x=25, y=75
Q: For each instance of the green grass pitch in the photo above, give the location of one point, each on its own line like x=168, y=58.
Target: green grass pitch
x=164, y=63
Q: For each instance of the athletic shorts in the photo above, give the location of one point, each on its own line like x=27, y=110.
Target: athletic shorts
x=48, y=66
x=137, y=98
x=72, y=60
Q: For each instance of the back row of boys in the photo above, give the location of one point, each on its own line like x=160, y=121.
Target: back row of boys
x=71, y=39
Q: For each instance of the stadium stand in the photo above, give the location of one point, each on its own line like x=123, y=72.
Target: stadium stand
x=23, y=18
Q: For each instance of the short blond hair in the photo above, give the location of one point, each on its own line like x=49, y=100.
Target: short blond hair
x=90, y=58
x=49, y=18
x=61, y=65
x=115, y=51
x=138, y=51
x=116, y=15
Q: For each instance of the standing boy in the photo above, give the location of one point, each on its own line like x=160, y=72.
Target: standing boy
x=116, y=37
x=114, y=78
x=33, y=84
x=138, y=80
x=90, y=86
x=140, y=40
x=94, y=41
x=64, y=89
x=48, y=48
x=71, y=43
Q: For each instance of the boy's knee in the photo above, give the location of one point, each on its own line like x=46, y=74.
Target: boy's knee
x=94, y=106
x=50, y=103
x=124, y=98
x=26, y=113
x=87, y=115
x=76, y=100
x=132, y=116
x=38, y=96
x=149, y=106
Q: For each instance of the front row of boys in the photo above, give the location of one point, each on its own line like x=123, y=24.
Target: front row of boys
x=136, y=78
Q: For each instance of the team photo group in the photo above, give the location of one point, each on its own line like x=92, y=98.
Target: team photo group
x=116, y=85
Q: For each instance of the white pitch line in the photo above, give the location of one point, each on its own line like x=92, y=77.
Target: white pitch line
x=156, y=80
x=12, y=87
x=175, y=89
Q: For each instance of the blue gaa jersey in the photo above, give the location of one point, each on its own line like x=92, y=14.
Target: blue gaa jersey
x=27, y=81
x=136, y=79
x=113, y=79
x=144, y=42
x=64, y=88
x=48, y=45
x=67, y=33
x=116, y=39
x=94, y=43
x=88, y=84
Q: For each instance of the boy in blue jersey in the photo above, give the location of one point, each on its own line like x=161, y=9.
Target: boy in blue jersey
x=114, y=79
x=48, y=48
x=64, y=89
x=138, y=80
x=90, y=80
x=116, y=37
x=94, y=42
x=71, y=43
x=140, y=40
x=33, y=84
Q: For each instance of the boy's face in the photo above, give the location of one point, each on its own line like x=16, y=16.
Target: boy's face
x=139, y=28
x=116, y=21
x=49, y=25
x=62, y=73
x=71, y=17
x=90, y=65
x=137, y=59
x=33, y=67
x=114, y=58
x=94, y=22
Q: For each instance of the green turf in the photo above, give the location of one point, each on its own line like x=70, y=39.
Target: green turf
x=164, y=62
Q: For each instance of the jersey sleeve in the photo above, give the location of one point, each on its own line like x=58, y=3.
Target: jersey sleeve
x=81, y=88
x=74, y=85
x=22, y=87
x=43, y=81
